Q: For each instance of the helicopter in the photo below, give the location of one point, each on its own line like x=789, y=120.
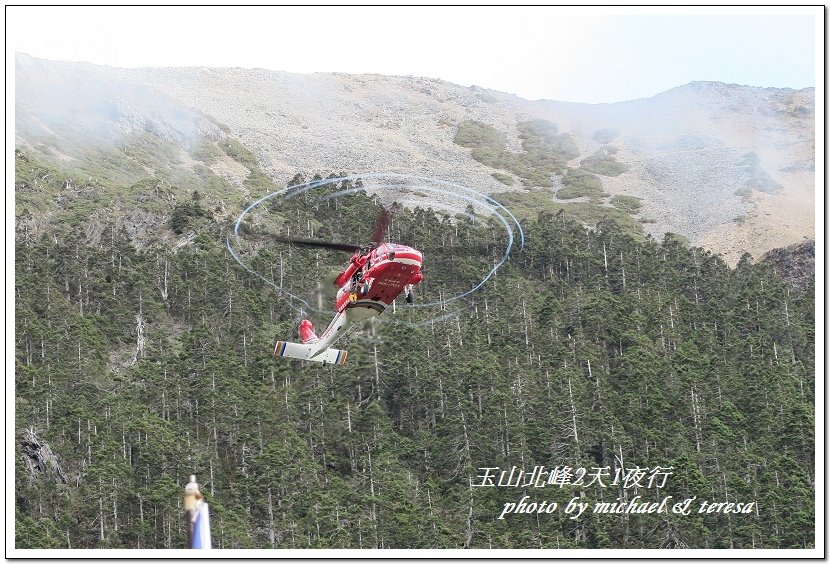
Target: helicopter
x=375, y=276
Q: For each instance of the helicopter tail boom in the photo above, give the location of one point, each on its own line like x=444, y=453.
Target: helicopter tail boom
x=305, y=352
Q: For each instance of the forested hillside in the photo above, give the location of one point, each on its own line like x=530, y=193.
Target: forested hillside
x=139, y=363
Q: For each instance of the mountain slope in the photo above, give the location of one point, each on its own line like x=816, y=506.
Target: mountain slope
x=729, y=167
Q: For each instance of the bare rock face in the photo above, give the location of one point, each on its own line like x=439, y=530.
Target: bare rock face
x=39, y=460
x=796, y=264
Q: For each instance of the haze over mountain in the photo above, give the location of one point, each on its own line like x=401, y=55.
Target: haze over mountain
x=730, y=167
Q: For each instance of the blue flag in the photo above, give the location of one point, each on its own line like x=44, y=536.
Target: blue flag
x=201, y=527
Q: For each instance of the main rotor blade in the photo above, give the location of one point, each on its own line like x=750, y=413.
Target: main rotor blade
x=347, y=247
x=381, y=225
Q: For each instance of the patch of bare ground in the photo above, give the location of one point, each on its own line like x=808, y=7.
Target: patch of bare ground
x=775, y=220
x=230, y=170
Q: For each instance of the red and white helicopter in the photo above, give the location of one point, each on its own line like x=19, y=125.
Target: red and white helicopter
x=376, y=275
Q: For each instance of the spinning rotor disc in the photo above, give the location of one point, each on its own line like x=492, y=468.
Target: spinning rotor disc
x=409, y=190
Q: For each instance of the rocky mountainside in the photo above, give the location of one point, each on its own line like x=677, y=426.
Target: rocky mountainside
x=796, y=264
x=729, y=167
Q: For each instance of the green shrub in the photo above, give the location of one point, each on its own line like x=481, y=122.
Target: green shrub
x=238, y=152
x=545, y=150
x=566, y=146
x=579, y=183
x=603, y=163
x=538, y=128
x=544, y=135
x=631, y=204
x=183, y=214
x=475, y=134
x=528, y=205
x=493, y=157
x=537, y=178
x=258, y=180
x=504, y=178
x=207, y=152
x=682, y=240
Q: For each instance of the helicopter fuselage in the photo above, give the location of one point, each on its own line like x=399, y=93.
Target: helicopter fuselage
x=373, y=280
